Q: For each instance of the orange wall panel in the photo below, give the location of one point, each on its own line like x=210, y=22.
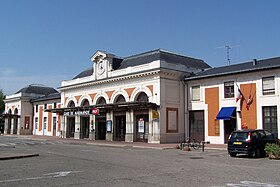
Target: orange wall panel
x=249, y=116
x=40, y=117
x=129, y=91
x=58, y=123
x=110, y=93
x=92, y=96
x=212, y=100
x=78, y=98
x=151, y=87
x=50, y=120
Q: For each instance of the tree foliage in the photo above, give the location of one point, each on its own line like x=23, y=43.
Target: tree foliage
x=2, y=104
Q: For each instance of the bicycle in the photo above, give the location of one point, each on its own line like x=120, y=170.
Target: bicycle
x=190, y=144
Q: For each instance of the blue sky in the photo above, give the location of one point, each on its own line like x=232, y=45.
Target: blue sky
x=47, y=41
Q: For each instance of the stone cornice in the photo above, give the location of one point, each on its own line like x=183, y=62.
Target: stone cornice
x=109, y=80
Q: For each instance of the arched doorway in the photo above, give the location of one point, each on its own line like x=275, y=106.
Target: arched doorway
x=15, y=127
x=120, y=121
x=142, y=119
x=100, y=121
x=84, y=132
x=70, y=130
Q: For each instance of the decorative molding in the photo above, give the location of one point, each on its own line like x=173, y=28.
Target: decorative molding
x=109, y=80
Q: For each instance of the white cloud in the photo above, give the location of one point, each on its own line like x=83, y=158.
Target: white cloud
x=7, y=72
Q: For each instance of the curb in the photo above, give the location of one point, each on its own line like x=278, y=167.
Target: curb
x=18, y=156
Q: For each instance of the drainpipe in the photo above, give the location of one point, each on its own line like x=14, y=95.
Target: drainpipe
x=185, y=107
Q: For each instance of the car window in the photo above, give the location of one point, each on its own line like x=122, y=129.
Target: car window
x=269, y=135
x=254, y=135
x=239, y=135
x=261, y=134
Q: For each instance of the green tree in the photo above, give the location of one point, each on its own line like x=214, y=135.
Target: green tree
x=2, y=104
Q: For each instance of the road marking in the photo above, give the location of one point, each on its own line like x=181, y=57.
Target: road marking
x=45, y=176
x=250, y=184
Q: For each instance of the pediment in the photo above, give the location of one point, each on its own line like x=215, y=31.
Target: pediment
x=100, y=55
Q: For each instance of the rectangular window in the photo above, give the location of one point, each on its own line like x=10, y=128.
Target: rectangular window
x=45, y=106
x=54, y=105
x=270, y=119
x=268, y=86
x=195, y=93
x=36, y=123
x=229, y=89
x=172, y=120
x=54, y=123
x=36, y=108
x=27, y=122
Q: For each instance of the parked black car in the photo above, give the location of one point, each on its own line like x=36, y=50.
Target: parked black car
x=250, y=142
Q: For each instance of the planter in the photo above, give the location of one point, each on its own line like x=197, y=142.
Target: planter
x=272, y=156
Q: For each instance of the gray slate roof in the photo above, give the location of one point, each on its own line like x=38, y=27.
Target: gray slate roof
x=148, y=57
x=85, y=73
x=238, y=68
x=163, y=55
x=51, y=96
x=37, y=89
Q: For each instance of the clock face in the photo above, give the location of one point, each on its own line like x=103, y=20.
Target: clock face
x=101, y=67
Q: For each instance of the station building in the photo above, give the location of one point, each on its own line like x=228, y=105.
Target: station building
x=137, y=98
x=155, y=97
x=240, y=96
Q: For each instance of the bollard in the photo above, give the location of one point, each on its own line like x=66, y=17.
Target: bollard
x=203, y=144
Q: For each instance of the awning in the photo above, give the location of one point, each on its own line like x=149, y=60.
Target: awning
x=225, y=113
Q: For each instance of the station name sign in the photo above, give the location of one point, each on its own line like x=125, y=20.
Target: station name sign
x=77, y=113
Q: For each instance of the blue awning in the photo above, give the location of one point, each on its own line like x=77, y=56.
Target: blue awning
x=225, y=113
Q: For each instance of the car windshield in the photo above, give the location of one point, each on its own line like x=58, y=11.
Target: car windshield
x=239, y=135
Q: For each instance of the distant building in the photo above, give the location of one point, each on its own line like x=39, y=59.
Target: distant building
x=19, y=113
x=46, y=123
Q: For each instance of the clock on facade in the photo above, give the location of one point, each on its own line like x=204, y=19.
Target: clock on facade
x=101, y=67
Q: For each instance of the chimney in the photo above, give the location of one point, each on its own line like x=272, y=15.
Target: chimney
x=254, y=62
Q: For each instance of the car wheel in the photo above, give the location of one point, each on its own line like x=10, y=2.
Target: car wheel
x=232, y=154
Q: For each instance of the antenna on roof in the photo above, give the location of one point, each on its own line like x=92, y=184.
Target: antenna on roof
x=228, y=47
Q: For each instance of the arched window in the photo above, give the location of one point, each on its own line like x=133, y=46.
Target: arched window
x=120, y=99
x=101, y=101
x=71, y=104
x=142, y=97
x=85, y=102
x=16, y=111
x=10, y=111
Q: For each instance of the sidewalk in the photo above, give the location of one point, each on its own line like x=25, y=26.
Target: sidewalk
x=11, y=152
x=116, y=143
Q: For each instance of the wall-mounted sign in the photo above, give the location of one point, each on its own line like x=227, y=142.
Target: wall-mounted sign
x=141, y=125
x=95, y=111
x=109, y=125
x=77, y=113
x=155, y=114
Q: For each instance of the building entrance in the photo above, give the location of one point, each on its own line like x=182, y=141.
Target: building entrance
x=196, y=128
x=142, y=128
x=120, y=128
x=229, y=127
x=84, y=133
x=15, y=125
x=70, y=127
x=100, y=124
